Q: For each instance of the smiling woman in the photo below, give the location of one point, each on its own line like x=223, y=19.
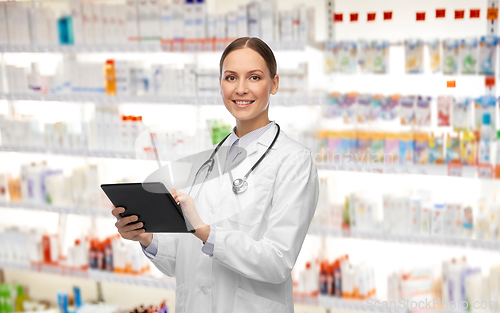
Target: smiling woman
x=252, y=227
x=248, y=78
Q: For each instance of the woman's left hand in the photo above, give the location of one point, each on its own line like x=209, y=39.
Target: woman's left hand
x=187, y=205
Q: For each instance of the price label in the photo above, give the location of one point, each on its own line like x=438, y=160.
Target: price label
x=455, y=169
x=492, y=14
x=485, y=171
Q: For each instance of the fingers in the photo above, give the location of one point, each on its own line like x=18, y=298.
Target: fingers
x=117, y=211
x=132, y=234
x=126, y=220
x=132, y=227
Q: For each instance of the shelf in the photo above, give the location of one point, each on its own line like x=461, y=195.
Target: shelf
x=133, y=47
x=71, y=152
x=418, y=239
x=93, y=212
x=101, y=99
x=313, y=229
x=416, y=169
x=95, y=275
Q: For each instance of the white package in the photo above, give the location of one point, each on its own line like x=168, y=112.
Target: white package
x=254, y=19
x=232, y=27
x=98, y=23
x=200, y=20
x=4, y=35
x=242, y=21
x=76, y=15
x=132, y=21
x=154, y=19
x=286, y=26
x=88, y=23
x=166, y=21
x=178, y=19
x=267, y=8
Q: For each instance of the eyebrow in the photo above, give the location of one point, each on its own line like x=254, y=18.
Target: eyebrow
x=252, y=71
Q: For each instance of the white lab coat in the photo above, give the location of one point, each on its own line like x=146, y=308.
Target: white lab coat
x=259, y=233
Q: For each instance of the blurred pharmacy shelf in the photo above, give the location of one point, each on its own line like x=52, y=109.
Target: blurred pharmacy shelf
x=368, y=305
x=406, y=238
x=93, y=212
x=137, y=47
x=101, y=99
x=433, y=170
x=313, y=230
x=70, y=152
x=95, y=275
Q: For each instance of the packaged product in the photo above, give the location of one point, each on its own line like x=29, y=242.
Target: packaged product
x=365, y=57
x=406, y=148
x=334, y=147
x=482, y=105
x=452, y=148
x=349, y=146
x=423, y=111
x=331, y=57
x=407, y=110
x=434, y=55
x=425, y=218
x=363, y=110
x=437, y=220
x=467, y=221
x=333, y=108
x=487, y=54
x=380, y=56
x=376, y=108
x=322, y=145
x=468, y=55
x=415, y=210
x=349, y=108
x=450, y=56
x=348, y=57
x=378, y=148
x=391, y=148
x=444, y=104
x=414, y=56
x=462, y=114
x=421, y=148
x=436, y=149
x=364, y=146
x=468, y=148
x=389, y=107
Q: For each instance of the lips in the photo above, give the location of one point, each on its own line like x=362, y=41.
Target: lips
x=241, y=103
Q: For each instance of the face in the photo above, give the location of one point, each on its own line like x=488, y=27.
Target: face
x=246, y=85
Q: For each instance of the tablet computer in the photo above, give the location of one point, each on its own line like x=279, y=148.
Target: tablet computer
x=152, y=203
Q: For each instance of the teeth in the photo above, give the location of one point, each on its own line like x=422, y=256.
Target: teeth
x=243, y=102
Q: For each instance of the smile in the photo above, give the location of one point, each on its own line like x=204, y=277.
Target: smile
x=243, y=103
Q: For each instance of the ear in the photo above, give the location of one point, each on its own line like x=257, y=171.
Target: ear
x=276, y=84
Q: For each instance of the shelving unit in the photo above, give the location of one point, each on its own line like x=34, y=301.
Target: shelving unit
x=100, y=99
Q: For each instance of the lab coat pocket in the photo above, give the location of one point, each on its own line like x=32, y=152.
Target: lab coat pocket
x=248, y=208
x=245, y=301
x=180, y=299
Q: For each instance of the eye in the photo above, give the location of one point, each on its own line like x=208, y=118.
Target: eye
x=254, y=77
x=230, y=78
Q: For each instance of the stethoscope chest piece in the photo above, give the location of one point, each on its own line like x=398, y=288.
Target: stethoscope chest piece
x=239, y=185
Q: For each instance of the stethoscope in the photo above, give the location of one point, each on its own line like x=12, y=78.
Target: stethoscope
x=239, y=184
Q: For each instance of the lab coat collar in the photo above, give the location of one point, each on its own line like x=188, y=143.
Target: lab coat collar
x=264, y=140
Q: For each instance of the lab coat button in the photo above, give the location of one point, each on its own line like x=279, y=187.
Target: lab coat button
x=204, y=290
x=212, y=212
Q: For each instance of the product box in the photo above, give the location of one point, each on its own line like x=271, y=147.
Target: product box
x=253, y=9
x=364, y=146
x=232, y=24
x=200, y=23
x=189, y=26
x=407, y=110
x=406, y=148
x=380, y=53
x=414, y=56
x=391, y=149
x=437, y=222
x=4, y=34
x=306, y=24
x=425, y=219
x=98, y=23
x=220, y=28
x=242, y=21
x=462, y=114
x=4, y=192
x=286, y=19
x=450, y=56
x=436, y=150
x=17, y=22
x=389, y=107
x=87, y=22
x=468, y=148
x=468, y=55
x=423, y=111
x=277, y=26
x=132, y=20
x=377, y=148
x=452, y=148
x=177, y=7
x=415, y=210
x=363, y=110
x=421, y=148
x=444, y=104
x=487, y=54
x=434, y=55
x=76, y=14
x=143, y=19
x=387, y=207
x=266, y=21
x=467, y=222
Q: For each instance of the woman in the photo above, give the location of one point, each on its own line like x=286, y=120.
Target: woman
x=245, y=245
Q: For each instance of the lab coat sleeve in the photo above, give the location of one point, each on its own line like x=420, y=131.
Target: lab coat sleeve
x=166, y=254
x=272, y=258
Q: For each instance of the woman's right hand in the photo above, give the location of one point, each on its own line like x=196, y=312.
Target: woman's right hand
x=131, y=232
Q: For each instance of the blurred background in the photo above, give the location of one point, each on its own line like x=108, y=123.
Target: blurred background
x=396, y=100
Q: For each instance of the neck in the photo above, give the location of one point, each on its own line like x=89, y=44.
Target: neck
x=245, y=127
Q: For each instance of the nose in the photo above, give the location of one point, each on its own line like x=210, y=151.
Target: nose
x=241, y=88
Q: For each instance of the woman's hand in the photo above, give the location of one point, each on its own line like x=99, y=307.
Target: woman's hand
x=186, y=203
x=133, y=231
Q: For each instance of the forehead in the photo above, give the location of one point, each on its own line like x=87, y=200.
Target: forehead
x=243, y=60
